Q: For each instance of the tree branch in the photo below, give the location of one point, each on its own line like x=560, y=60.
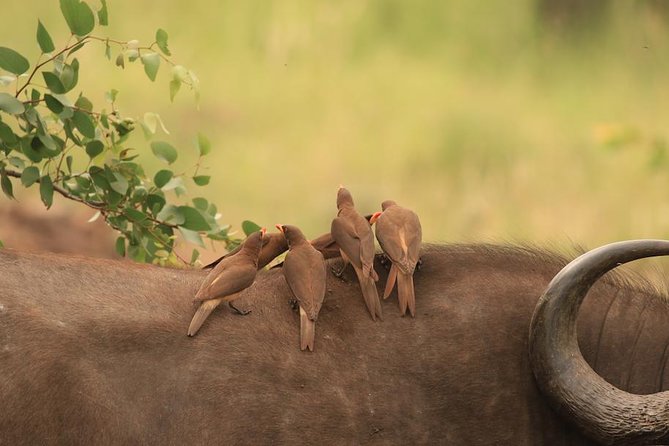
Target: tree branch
x=97, y=205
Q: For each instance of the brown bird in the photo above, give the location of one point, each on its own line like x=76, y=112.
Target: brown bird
x=227, y=279
x=327, y=246
x=273, y=245
x=399, y=233
x=355, y=238
x=305, y=271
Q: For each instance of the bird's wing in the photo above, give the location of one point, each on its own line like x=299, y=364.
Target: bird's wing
x=305, y=272
x=344, y=233
x=225, y=279
x=388, y=235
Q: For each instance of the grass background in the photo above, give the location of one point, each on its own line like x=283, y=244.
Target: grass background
x=494, y=121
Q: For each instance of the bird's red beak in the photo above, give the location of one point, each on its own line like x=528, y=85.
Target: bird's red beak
x=279, y=227
x=375, y=216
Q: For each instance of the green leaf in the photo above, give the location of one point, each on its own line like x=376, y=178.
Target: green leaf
x=161, y=41
x=7, y=135
x=53, y=104
x=164, y=151
x=175, y=183
x=84, y=104
x=194, y=219
x=151, y=63
x=135, y=215
x=46, y=191
x=120, y=61
x=12, y=61
x=16, y=162
x=78, y=15
x=171, y=214
x=77, y=47
x=84, y=123
x=175, y=84
x=28, y=150
x=44, y=39
x=250, y=227
x=68, y=160
x=191, y=236
x=201, y=203
x=53, y=82
x=162, y=178
x=11, y=105
x=103, y=14
x=194, y=256
x=70, y=75
x=29, y=176
x=119, y=183
x=201, y=180
x=120, y=246
x=110, y=96
x=203, y=144
x=2, y=245
x=6, y=184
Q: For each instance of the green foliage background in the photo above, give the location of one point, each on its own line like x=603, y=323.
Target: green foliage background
x=489, y=121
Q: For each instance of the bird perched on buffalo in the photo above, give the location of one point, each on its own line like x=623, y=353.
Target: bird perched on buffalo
x=273, y=245
x=230, y=276
x=305, y=272
x=399, y=233
x=327, y=246
x=355, y=239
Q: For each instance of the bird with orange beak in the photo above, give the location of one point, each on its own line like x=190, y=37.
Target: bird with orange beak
x=305, y=272
x=399, y=233
x=273, y=245
x=355, y=239
x=228, y=278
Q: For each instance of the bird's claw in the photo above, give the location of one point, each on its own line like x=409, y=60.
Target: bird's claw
x=339, y=274
x=238, y=311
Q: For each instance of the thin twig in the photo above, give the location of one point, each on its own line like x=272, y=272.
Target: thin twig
x=97, y=205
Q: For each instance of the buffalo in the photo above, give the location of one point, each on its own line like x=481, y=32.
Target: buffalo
x=95, y=351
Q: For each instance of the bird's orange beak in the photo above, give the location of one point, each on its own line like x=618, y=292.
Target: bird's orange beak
x=279, y=227
x=263, y=231
x=375, y=216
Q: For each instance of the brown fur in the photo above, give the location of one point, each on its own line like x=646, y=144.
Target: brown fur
x=94, y=352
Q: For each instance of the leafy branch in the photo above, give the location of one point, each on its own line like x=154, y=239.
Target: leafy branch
x=65, y=144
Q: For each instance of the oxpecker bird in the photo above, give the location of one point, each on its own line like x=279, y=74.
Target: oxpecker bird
x=273, y=245
x=399, y=233
x=355, y=239
x=305, y=272
x=327, y=246
x=230, y=276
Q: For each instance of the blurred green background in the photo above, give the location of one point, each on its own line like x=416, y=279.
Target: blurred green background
x=523, y=120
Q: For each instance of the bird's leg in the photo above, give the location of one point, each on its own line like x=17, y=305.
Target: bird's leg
x=238, y=311
x=339, y=273
x=345, y=262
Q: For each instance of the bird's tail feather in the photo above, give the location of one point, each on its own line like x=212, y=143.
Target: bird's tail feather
x=390, y=282
x=202, y=314
x=370, y=294
x=406, y=294
x=307, y=331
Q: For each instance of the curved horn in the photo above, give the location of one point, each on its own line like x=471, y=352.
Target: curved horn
x=603, y=412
